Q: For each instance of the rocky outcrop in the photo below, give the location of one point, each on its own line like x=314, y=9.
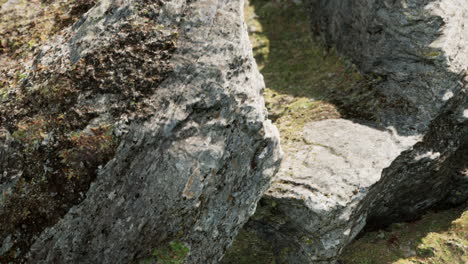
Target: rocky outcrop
x=345, y=175
x=416, y=49
x=322, y=185
x=140, y=130
x=432, y=173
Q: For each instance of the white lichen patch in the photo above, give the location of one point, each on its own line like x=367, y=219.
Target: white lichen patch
x=428, y=155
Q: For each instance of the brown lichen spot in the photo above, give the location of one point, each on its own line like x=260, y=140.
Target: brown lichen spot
x=30, y=132
x=89, y=150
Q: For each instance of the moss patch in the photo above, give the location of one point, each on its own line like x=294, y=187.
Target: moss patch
x=248, y=249
x=174, y=253
x=305, y=81
x=438, y=238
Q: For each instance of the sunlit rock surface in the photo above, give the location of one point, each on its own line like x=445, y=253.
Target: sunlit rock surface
x=139, y=129
x=410, y=156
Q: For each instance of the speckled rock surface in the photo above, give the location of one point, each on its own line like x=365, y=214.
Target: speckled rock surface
x=318, y=203
x=433, y=172
x=164, y=111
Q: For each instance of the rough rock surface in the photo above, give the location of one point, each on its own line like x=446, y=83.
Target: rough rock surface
x=322, y=183
x=344, y=175
x=418, y=50
x=433, y=172
x=147, y=128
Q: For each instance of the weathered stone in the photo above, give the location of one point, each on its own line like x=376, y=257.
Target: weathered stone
x=315, y=206
x=187, y=153
x=322, y=183
x=432, y=173
x=346, y=175
x=417, y=49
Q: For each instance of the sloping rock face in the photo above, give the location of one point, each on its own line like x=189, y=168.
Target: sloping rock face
x=432, y=172
x=346, y=174
x=140, y=127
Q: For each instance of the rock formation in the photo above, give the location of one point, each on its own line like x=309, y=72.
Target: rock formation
x=142, y=127
x=139, y=133
x=416, y=49
x=411, y=157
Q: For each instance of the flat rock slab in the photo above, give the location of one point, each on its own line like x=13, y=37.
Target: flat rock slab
x=322, y=181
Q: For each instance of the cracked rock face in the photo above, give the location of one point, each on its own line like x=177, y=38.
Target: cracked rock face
x=417, y=49
x=432, y=172
x=163, y=107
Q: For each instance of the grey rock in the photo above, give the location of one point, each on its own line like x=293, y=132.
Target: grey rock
x=350, y=175
x=322, y=185
x=417, y=49
x=432, y=172
x=346, y=175
x=192, y=168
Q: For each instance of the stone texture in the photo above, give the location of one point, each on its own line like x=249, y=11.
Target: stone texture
x=328, y=177
x=347, y=175
x=316, y=202
x=417, y=49
x=195, y=151
x=432, y=172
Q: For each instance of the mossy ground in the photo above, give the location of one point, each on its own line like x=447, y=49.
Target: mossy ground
x=174, y=253
x=438, y=238
x=251, y=250
x=303, y=78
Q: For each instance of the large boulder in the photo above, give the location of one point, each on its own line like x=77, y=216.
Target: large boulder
x=417, y=51
x=433, y=172
x=139, y=130
x=411, y=157
x=315, y=206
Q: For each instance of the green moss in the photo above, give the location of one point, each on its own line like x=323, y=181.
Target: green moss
x=174, y=253
x=431, y=53
x=303, y=78
x=439, y=237
x=3, y=94
x=248, y=249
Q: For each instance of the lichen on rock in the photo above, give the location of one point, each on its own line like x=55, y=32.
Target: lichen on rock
x=134, y=120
